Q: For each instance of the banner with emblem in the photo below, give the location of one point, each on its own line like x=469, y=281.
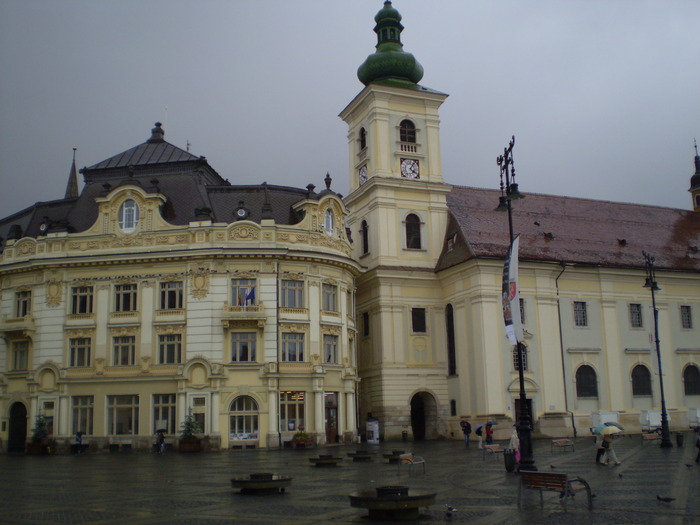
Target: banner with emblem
x=511, y=295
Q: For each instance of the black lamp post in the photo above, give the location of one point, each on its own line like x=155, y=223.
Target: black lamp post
x=509, y=192
x=651, y=283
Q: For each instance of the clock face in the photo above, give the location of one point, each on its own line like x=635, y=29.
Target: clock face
x=410, y=169
x=363, y=174
x=241, y=212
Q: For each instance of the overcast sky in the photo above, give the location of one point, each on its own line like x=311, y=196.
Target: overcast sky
x=603, y=96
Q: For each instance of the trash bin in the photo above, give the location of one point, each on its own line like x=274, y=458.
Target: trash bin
x=509, y=459
x=404, y=435
x=679, y=439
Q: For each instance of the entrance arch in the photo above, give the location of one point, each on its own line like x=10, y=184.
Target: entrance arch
x=424, y=416
x=18, y=428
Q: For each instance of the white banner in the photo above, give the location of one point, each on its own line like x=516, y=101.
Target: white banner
x=511, y=295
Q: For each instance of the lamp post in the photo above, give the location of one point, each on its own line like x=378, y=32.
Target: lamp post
x=509, y=192
x=650, y=282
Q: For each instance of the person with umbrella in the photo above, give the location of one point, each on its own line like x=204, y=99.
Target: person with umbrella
x=160, y=440
x=608, y=430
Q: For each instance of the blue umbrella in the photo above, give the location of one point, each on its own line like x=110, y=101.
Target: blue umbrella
x=492, y=423
x=599, y=428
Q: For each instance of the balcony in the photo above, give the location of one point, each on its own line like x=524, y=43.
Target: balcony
x=17, y=324
x=243, y=313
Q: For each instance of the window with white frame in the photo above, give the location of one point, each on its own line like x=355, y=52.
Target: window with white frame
x=292, y=294
x=128, y=216
x=243, y=418
x=124, y=350
x=636, y=315
x=171, y=295
x=20, y=355
x=164, y=413
x=82, y=298
x=169, y=349
x=292, y=347
x=83, y=414
x=125, y=297
x=292, y=411
x=516, y=357
x=242, y=292
x=580, y=314
x=330, y=349
x=80, y=348
x=686, y=317
x=123, y=415
x=330, y=297
x=243, y=347
x=329, y=222
x=23, y=303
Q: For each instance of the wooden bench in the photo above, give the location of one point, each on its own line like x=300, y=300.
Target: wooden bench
x=492, y=449
x=410, y=460
x=562, y=444
x=652, y=436
x=555, y=482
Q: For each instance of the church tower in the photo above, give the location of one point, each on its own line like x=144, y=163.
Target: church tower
x=695, y=182
x=398, y=216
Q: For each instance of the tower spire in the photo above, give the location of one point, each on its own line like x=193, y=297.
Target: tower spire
x=72, y=187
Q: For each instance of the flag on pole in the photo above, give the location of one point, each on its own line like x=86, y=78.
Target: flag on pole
x=511, y=295
x=250, y=298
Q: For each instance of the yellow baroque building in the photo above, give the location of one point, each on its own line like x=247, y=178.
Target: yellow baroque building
x=161, y=291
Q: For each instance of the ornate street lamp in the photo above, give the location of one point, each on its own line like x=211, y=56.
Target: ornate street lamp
x=650, y=282
x=509, y=192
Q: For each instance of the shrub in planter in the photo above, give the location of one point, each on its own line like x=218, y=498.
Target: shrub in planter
x=189, y=442
x=40, y=443
x=301, y=439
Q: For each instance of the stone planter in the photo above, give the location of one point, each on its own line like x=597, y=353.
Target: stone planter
x=190, y=445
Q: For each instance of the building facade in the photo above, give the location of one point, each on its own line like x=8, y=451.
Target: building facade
x=161, y=291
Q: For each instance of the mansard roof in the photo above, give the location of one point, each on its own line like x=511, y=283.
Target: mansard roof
x=571, y=230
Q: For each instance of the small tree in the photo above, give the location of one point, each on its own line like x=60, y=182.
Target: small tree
x=189, y=428
x=40, y=432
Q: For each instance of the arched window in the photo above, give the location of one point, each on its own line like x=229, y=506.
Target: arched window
x=407, y=131
x=413, y=232
x=586, y=382
x=451, y=351
x=128, y=216
x=364, y=234
x=363, y=138
x=329, y=222
x=243, y=417
x=691, y=379
x=641, y=381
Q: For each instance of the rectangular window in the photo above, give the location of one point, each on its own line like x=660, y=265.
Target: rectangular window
x=83, y=407
x=292, y=347
x=123, y=415
x=365, y=324
x=170, y=349
x=418, y=320
x=580, y=313
x=522, y=310
x=20, y=355
x=80, y=351
x=81, y=300
x=242, y=292
x=124, y=350
x=330, y=298
x=23, y=303
x=164, y=413
x=635, y=315
x=516, y=358
x=292, y=411
x=686, y=317
x=243, y=347
x=199, y=411
x=125, y=298
x=292, y=294
x=330, y=349
x=171, y=295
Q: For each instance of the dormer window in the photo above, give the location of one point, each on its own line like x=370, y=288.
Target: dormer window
x=128, y=216
x=328, y=222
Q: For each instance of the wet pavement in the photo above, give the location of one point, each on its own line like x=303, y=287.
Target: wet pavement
x=144, y=488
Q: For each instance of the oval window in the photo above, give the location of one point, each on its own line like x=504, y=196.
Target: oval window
x=328, y=222
x=128, y=216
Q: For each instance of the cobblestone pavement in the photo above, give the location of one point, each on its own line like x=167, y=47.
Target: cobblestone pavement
x=119, y=488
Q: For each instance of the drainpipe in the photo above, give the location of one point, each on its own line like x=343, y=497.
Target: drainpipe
x=561, y=349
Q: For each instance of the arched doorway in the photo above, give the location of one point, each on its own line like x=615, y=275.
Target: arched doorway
x=18, y=428
x=423, y=416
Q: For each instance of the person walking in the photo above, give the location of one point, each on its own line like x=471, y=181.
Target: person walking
x=466, y=430
x=514, y=444
x=489, y=434
x=609, y=450
x=478, y=433
x=599, y=450
x=160, y=443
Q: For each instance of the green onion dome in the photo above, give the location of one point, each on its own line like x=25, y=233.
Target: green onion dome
x=390, y=61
